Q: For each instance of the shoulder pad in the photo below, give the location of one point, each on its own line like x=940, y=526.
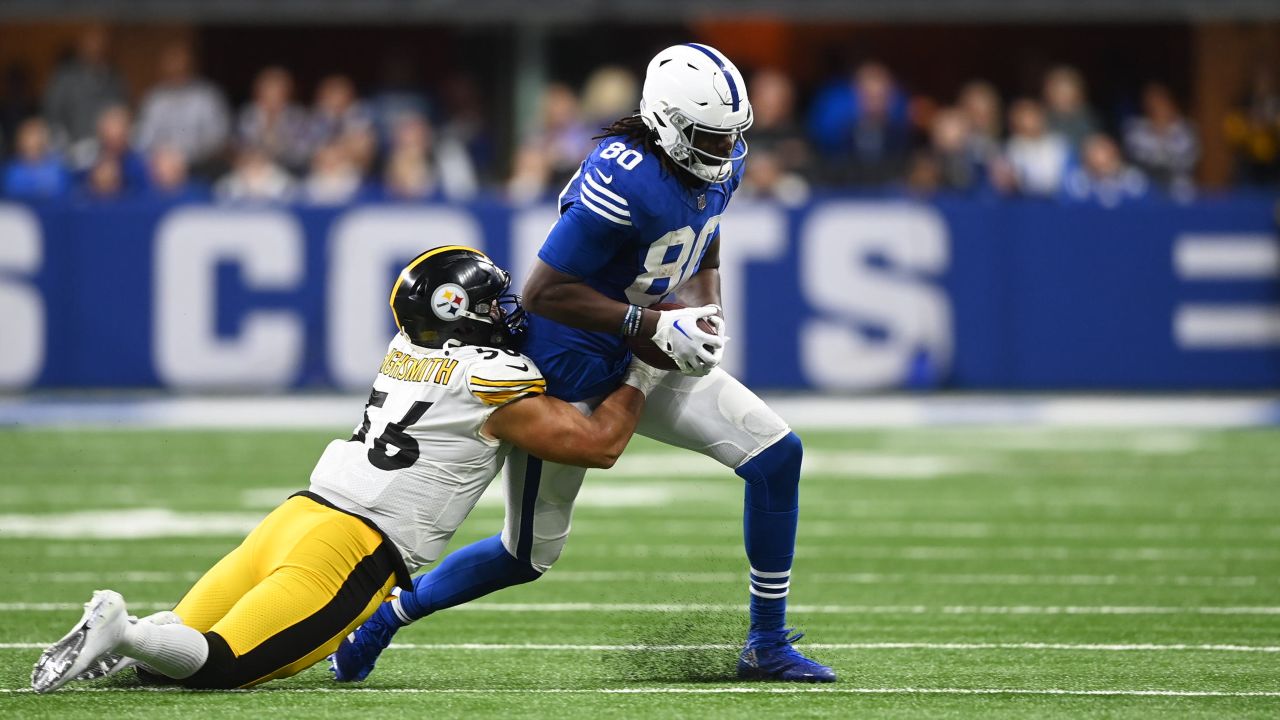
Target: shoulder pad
x=497, y=377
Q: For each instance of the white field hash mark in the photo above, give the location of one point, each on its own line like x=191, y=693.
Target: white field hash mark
x=802, y=609
x=1034, y=646
x=694, y=691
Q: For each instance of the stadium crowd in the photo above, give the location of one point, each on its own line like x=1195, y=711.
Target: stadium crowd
x=184, y=141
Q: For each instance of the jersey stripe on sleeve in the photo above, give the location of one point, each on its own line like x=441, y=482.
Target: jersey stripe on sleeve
x=601, y=189
x=496, y=393
x=586, y=202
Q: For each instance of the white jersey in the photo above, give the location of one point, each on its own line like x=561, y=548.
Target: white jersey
x=418, y=461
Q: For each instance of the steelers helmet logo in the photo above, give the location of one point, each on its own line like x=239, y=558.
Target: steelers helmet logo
x=449, y=301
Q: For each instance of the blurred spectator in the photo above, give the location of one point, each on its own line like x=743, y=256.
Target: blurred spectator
x=1037, y=156
x=407, y=177
x=775, y=131
x=562, y=136
x=361, y=148
x=1253, y=131
x=465, y=123
x=766, y=179
x=105, y=180
x=35, y=170
x=609, y=93
x=169, y=175
x=407, y=174
x=418, y=167
x=17, y=103
x=334, y=179
x=272, y=123
x=949, y=145
x=980, y=104
x=861, y=128
x=1103, y=177
x=256, y=176
x=81, y=89
x=1162, y=142
x=924, y=174
x=530, y=175
x=183, y=112
x=1069, y=114
x=338, y=111
x=399, y=93
x=111, y=143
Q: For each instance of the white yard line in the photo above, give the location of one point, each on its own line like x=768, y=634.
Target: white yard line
x=338, y=412
x=801, y=609
x=628, y=576
x=881, y=551
x=750, y=690
x=561, y=647
x=859, y=551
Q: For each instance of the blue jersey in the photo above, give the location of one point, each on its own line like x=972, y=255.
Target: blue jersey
x=633, y=232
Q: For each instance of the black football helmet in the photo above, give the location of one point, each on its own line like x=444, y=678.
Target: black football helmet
x=456, y=293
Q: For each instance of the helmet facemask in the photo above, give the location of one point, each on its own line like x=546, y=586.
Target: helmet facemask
x=506, y=314
x=689, y=149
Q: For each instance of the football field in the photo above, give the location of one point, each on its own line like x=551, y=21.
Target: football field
x=943, y=572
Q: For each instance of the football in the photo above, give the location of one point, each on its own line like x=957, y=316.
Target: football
x=644, y=348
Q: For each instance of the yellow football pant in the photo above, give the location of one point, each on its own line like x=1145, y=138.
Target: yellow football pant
x=303, y=579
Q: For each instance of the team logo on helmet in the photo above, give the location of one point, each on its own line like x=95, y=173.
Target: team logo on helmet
x=449, y=301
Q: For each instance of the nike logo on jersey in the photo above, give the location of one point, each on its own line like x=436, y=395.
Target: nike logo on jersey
x=523, y=367
x=606, y=178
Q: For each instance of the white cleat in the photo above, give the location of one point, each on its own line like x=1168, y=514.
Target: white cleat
x=112, y=663
x=98, y=633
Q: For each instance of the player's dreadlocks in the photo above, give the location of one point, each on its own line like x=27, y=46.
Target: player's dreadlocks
x=633, y=128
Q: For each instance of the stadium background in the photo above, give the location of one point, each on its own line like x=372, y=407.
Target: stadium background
x=991, y=200
x=1012, y=268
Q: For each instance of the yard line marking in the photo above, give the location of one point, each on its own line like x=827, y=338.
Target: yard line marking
x=557, y=647
x=862, y=551
x=874, y=551
x=754, y=690
x=805, y=609
x=132, y=576
x=335, y=412
x=913, y=578
x=609, y=576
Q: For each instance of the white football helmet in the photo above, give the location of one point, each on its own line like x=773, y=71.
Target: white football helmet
x=691, y=92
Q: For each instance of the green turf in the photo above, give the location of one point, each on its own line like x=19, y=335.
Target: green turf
x=1178, y=526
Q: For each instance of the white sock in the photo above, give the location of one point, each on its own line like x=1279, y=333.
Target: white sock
x=173, y=650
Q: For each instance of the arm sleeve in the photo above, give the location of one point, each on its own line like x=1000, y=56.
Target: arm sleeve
x=582, y=241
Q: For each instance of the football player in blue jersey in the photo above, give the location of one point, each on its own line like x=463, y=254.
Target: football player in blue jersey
x=640, y=224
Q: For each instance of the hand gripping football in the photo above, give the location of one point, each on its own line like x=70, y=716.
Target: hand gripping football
x=643, y=347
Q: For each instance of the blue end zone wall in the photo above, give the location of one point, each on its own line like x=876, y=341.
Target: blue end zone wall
x=842, y=294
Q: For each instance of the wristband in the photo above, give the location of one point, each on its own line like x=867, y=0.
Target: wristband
x=631, y=321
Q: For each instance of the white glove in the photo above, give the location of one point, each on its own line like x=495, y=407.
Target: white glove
x=643, y=376
x=694, y=351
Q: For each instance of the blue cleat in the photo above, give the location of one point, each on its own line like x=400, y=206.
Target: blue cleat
x=769, y=656
x=358, y=652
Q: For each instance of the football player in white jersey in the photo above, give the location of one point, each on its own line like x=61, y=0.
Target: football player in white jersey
x=449, y=402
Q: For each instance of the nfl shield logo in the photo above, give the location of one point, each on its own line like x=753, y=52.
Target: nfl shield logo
x=702, y=202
